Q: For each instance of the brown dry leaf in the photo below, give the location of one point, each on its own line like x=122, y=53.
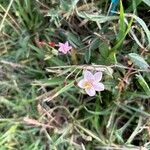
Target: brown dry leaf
x=34, y=122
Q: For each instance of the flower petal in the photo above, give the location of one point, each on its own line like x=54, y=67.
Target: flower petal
x=81, y=83
x=61, y=50
x=98, y=76
x=60, y=44
x=90, y=91
x=88, y=75
x=70, y=47
x=98, y=86
x=64, y=47
x=66, y=44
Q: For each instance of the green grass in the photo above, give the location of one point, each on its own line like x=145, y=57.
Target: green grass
x=41, y=107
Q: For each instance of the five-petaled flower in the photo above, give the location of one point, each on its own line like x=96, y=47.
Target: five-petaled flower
x=64, y=47
x=91, y=83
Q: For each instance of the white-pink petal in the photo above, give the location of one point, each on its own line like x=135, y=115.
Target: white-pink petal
x=66, y=44
x=69, y=47
x=98, y=76
x=64, y=47
x=81, y=83
x=60, y=44
x=60, y=49
x=98, y=86
x=90, y=91
x=88, y=75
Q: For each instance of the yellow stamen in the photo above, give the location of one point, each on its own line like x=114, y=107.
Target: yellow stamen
x=87, y=85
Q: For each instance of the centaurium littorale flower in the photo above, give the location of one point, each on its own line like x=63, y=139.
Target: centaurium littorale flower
x=91, y=82
x=64, y=47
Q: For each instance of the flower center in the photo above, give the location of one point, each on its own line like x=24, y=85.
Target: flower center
x=87, y=85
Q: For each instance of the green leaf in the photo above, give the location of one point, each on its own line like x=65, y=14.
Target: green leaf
x=39, y=51
x=96, y=18
x=62, y=90
x=87, y=55
x=147, y=2
x=104, y=49
x=144, y=26
x=94, y=45
x=138, y=110
x=124, y=36
x=51, y=82
x=122, y=25
x=144, y=84
x=111, y=59
x=74, y=39
x=138, y=61
x=104, y=112
x=133, y=6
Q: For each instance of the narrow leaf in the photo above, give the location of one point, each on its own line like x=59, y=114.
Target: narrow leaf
x=138, y=61
x=143, y=83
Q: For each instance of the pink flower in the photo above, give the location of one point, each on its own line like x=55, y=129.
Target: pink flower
x=64, y=47
x=91, y=83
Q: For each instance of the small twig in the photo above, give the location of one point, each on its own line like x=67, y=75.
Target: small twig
x=14, y=65
x=35, y=122
x=98, y=67
x=136, y=131
x=5, y=15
